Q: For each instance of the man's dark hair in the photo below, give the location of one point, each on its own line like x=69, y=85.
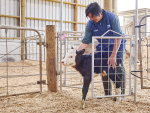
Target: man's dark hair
x=94, y=9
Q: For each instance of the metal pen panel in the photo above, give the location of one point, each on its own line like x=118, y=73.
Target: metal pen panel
x=7, y=53
x=144, y=70
x=97, y=91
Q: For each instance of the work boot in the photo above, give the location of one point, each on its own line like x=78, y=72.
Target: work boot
x=107, y=84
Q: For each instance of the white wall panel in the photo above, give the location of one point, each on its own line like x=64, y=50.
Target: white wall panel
x=43, y=9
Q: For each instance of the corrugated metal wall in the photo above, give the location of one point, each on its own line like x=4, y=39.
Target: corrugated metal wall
x=40, y=13
x=9, y=7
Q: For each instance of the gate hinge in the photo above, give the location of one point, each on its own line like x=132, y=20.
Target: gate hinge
x=148, y=45
x=148, y=70
x=41, y=82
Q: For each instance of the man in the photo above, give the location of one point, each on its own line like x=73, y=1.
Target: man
x=100, y=22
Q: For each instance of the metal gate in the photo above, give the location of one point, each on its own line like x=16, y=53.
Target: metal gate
x=144, y=51
x=97, y=82
x=14, y=71
x=70, y=77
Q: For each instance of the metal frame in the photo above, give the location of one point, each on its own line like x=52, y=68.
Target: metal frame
x=108, y=37
x=140, y=48
x=71, y=36
x=40, y=56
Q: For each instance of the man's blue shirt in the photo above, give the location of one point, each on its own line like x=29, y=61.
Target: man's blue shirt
x=115, y=26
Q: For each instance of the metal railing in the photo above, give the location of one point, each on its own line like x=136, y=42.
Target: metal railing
x=7, y=76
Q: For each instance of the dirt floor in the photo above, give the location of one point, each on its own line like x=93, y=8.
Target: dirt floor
x=67, y=100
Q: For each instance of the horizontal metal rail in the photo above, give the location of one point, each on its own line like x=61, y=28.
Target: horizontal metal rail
x=14, y=76
x=67, y=32
x=19, y=94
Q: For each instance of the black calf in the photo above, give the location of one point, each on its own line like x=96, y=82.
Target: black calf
x=84, y=66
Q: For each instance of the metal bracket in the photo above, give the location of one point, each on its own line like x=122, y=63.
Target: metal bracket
x=148, y=45
x=42, y=43
x=148, y=70
x=59, y=34
x=59, y=72
x=41, y=82
x=133, y=44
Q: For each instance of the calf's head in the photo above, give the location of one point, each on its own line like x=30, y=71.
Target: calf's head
x=70, y=58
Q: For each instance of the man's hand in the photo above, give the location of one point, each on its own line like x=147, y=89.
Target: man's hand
x=112, y=61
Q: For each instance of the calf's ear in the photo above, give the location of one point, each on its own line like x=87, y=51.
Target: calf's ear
x=80, y=52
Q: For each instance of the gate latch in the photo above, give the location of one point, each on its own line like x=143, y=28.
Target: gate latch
x=41, y=82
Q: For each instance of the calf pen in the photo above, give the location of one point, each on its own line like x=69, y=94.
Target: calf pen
x=19, y=75
x=72, y=79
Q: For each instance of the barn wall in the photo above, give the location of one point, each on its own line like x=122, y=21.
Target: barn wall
x=41, y=10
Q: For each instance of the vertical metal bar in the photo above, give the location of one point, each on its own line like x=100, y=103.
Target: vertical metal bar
x=6, y=59
x=65, y=66
x=130, y=66
x=136, y=49
x=147, y=57
x=92, y=90
x=61, y=12
x=40, y=60
x=45, y=48
x=36, y=47
x=124, y=24
x=141, y=64
x=30, y=35
x=146, y=22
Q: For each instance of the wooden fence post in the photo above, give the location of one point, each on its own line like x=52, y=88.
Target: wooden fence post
x=51, y=52
x=23, y=24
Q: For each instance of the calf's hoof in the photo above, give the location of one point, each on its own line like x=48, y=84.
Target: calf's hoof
x=82, y=104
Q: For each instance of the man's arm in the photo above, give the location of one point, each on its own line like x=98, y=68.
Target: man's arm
x=82, y=46
x=117, y=42
x=112, y=58
x=87, y=39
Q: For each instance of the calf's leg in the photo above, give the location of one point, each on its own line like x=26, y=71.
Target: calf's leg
x=123, y=86
x=87, y=80
x=107, y=84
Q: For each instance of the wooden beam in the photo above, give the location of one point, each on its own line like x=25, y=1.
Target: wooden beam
x=32, y=18
x=76, y=16
x=43, y=19
x=69, y=3
x=81, y=5
x=51, y=34
x=108, y=5
x=10, y=16
x=10, y=38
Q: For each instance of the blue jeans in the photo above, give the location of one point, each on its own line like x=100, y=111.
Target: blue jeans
x=100, y=60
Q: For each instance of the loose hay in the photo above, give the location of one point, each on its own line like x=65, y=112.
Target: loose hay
x=68, y=100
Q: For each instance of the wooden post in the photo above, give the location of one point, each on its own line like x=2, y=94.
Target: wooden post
x=108, y=5
x=115, y=6
x=23, y=24
x=51, y=34
x=75, y=15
